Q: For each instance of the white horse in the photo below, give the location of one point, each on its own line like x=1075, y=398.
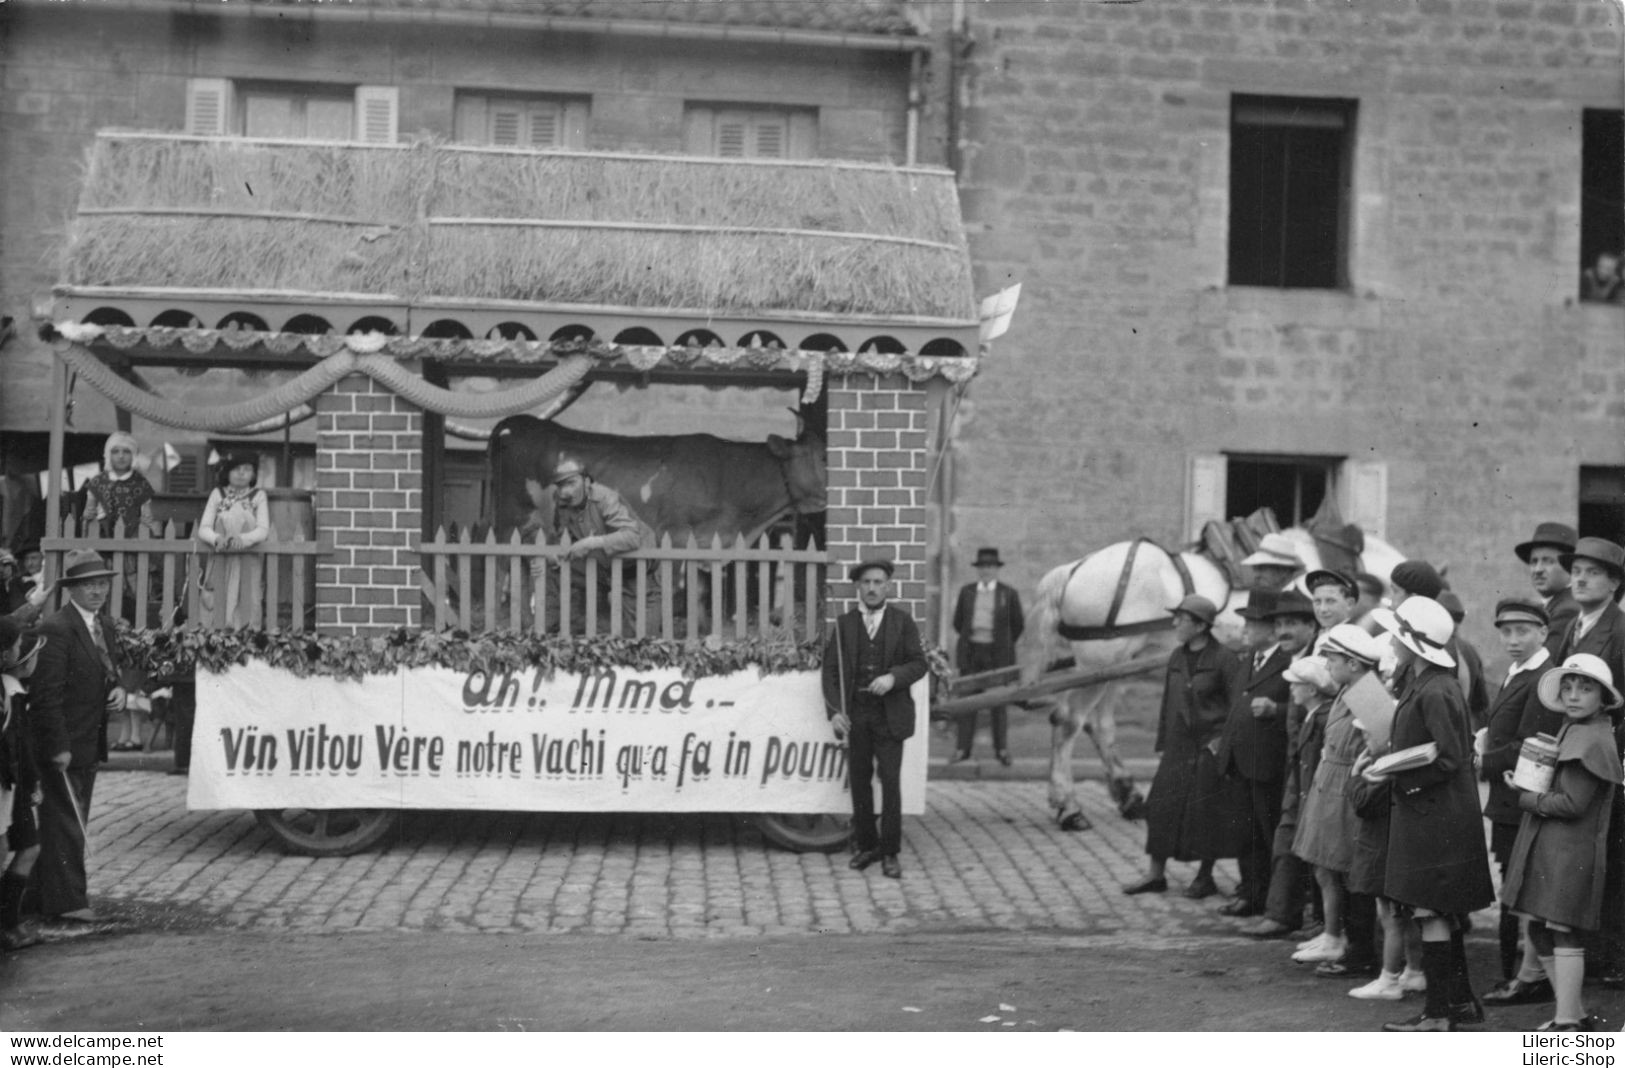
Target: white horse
x=1125, y=590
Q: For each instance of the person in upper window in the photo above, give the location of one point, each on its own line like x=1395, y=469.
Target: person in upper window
x=119, y=493
x=1602, y=283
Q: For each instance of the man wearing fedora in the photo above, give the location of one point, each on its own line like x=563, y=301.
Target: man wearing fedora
x=1597, y=571
x=989, y=622
x=870, y=662
x=1276, y=562
x=602, y=527
x=74, y=689
x=1252, y=749
x=1543, y=555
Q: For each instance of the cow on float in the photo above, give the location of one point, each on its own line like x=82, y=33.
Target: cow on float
x=677, y=485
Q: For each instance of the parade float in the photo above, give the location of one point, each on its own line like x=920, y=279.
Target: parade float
x=398, y=662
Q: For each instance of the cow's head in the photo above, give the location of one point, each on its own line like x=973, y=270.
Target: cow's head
x=805, y=471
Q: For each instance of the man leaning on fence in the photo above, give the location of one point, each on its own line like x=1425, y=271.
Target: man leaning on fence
x=601, y=528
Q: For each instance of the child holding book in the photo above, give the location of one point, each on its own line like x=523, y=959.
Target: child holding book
x=1555, y=876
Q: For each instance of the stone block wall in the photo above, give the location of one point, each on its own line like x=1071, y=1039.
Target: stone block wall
x=369, y=508
x=878, y=468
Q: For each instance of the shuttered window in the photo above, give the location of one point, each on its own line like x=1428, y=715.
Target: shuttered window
x=219, y=107
x=520, y=121
x=751, y=133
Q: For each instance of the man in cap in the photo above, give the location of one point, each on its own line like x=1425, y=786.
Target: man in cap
x=602, y=527
x=1543, y=555
x=988, y=620
x=1597, y=570
x=1252, y=749
x=74, y=689
x=1333, y=595
x=1275, y=563
x=870, y=661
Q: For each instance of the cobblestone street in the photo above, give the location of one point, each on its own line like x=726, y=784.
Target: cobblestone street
x=986, y=854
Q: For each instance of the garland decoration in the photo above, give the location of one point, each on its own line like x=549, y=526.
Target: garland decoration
x=172, y=654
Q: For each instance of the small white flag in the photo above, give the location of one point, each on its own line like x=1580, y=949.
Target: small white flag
x=997, y=311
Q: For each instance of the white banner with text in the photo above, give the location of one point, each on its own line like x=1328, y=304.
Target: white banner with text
x=615, y=740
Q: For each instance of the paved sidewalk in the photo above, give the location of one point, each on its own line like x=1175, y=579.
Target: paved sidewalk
x=985, y=855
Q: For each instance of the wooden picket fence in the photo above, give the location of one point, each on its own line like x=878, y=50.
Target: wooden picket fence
x=162, y=574
x=721, y=592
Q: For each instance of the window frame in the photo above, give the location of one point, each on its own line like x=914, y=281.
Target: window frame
x=703, y=123
x=1287, y=113
x=473, y=109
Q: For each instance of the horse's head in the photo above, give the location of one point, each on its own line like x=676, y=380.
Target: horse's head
x=805, y=470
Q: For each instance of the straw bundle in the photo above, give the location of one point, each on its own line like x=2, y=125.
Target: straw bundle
x=736, y=272
x=696, y=192
x=185, y=252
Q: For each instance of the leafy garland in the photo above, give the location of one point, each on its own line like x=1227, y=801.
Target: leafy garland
x=175, y=653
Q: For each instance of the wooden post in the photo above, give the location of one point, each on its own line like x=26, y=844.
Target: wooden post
x=54, y=457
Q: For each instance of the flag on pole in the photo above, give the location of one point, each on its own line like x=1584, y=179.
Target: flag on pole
x=997, y=311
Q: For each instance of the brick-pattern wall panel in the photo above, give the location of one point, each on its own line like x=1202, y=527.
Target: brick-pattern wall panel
x=369, y=508
x=878, y=464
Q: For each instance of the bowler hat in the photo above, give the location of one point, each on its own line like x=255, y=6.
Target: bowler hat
x=568, y=468
x=1418, y=578
x=861, y=566
x=1198, y=607
x=988, y=557
x=1559, y=536
x=1291, y=603
x=1275, y=550
x=1520, y=610
x=1260, y=603
x=1329, y=577
x=82, y=565
x=1599, y=551
x=1591, y=667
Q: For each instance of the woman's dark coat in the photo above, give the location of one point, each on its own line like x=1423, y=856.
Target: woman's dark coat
x=1188, y=813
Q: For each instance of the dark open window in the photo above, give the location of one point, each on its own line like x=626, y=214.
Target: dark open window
x=1602, y=503
x=1291, y=162
x=1294, y=486
x=1602, y=205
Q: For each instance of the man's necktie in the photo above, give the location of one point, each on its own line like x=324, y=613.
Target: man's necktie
x=101, y=648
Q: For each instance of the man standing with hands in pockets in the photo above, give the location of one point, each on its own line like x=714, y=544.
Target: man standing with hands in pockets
x=870, y=662
x=74, y=689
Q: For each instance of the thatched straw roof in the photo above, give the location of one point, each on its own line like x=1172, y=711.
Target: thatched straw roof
x=431, y=222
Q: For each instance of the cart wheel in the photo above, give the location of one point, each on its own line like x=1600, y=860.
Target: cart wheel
x=803, y=832
x=327, y=832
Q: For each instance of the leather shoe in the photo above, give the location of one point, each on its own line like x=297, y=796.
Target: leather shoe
x=1201, y=888
x=1467, y=1012
x=1612, y=977
x=1240, y=907
x=863, y=858
x=1344, y=969
x=1004, y=757
x=1149, y=885
x=1268, y=929
x=890, y=868
x=959, y=758
x=1517, y=992
x=20, y=937
x=76, y=916
x=1423, y=1022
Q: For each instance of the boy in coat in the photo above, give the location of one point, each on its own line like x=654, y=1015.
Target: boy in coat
x=988, y=620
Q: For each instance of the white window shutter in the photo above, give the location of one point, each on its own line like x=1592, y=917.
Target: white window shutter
x=733, y=133
x=208, y=106
x=504, y=126
x=699, y=132
x=377, y=114
x=770, y=138
x=575, y=125
x=1367, y=490
x=544, y=126
x=803, y=135
x=1204, y=492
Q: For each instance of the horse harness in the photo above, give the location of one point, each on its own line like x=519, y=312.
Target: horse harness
x=1111, y=628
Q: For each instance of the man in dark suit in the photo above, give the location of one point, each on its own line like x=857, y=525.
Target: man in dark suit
x=1252, y=748
x=870, y=662
x=989, y=622
x=1597, y=569
x=74, y=689
x=1543, y=554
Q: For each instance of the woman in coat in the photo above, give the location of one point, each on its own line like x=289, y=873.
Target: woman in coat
x=1186, y=814
x=1438, y=868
